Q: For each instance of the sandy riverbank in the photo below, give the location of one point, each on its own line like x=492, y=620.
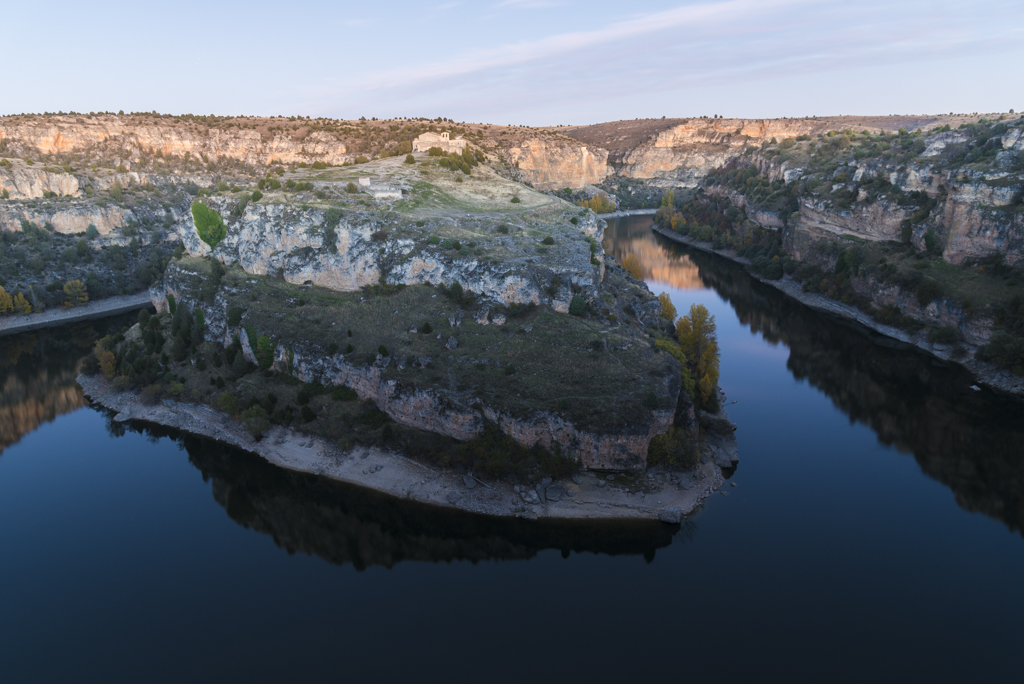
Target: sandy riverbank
x=98, y=309
x=986, y=374
x=655, y=495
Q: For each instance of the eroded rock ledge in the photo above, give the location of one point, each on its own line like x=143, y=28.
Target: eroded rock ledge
x=659, y=495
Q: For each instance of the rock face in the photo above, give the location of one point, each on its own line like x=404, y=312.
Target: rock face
x=31, y=182
x=68, y=219
x=64, y=134
x=294, y=244
x=685, y=153
x=557, y=164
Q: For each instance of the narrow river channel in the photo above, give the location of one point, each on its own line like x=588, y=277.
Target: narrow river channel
x=874, y=532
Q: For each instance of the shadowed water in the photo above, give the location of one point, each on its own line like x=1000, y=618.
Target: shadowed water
x=874, y=533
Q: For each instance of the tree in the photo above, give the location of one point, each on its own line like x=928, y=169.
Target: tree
x=265, y=348
x=108, y=362
x=21, y=305
x=6, y=302
x=255, y=420
x=632, y=265
x=697, y=337
x=668, y=309
x=198, y=327
x=75, y=293
x=209, y=224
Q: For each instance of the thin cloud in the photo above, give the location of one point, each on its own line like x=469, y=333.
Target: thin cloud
x=553, y=46
x=530, y=4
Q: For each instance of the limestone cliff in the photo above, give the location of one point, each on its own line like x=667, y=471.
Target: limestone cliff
x=556, y=164
x=31, y=182
x=55, y=135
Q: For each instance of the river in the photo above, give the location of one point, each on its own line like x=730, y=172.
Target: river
x=874, y=532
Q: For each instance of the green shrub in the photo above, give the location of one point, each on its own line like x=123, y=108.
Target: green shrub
x=426, y=329
x=409, y=159
x=516, y=200
x=302, y=398
x=944, y=335
x=361, y=159
x=209, y=224
x=673, y=448
x=92, y=232
x=383, y=351
x=343, y=393
x=318, y=165
x=235, y=316
x=256, y=420
x=548, y=240
x=265, y=348
x=228, y=403
x=257, y=195
x=172, y=305
x=1004, y=349
x=928, y=290
x=351, y=188
x=308, y=415
x=578, y=306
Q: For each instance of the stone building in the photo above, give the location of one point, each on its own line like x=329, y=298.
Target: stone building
x=427, y=140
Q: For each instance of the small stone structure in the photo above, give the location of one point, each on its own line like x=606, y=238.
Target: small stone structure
x=427, y=140
x=379, y=190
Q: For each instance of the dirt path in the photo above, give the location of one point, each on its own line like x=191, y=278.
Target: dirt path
x=99, y=309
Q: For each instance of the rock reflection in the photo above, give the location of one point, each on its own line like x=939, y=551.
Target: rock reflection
x=972, y=442
x=37, y=375
x=348, y=525
x=633, y=235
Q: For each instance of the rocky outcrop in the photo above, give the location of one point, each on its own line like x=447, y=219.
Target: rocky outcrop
x=31, y=182
x=557, y=164
x=68, y=218
x=685, y=153
x=67, y=134
x=362, y=249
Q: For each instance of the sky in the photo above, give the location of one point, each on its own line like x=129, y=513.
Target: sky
x=533, y=62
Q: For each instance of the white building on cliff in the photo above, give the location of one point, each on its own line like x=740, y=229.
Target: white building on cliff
x=427, y=140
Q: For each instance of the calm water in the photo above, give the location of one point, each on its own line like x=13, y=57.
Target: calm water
x=874, y=534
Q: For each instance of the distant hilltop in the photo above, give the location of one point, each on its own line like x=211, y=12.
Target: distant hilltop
x=548, y=158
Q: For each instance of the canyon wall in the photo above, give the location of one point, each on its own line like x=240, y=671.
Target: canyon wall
x=557, y=164
x=685, y=153
x=71, y=134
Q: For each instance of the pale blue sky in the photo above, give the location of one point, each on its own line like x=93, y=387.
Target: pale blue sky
x=536, y=62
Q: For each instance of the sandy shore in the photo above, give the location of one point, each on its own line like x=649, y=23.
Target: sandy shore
x=654, y=495
x=98, y=309
x=1003, y=381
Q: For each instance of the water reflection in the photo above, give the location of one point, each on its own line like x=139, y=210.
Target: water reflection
x=632, y=235
x=973, y=442
x=345, y=524
x=37, y=375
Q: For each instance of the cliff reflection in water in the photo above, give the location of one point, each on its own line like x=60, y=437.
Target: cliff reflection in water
x=345, y=524
x=632, y=235
x=37, y=375
x=972, y=442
